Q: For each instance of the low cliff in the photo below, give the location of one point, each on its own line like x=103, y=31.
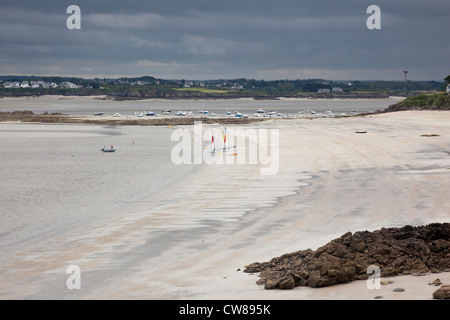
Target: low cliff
x=437, y=101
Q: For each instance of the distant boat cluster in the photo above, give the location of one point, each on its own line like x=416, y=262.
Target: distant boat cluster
x=236, y=114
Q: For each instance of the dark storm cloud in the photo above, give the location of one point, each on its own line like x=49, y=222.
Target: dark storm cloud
x=213, y=39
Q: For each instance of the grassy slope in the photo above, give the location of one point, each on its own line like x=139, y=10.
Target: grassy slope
x=437, y=101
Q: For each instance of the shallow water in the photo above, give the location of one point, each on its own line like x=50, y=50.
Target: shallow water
x=89, y=105
x=55, y=175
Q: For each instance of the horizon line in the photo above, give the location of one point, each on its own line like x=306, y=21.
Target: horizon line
x=192, y=79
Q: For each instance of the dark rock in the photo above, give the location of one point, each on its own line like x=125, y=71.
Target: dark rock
x=357, y=244
x=398, y=290
x=271, y=284
x=407, y=250
x=442, y=293
x=436, y=283
x=301, y=278
x=287, y=283
x=254, y=267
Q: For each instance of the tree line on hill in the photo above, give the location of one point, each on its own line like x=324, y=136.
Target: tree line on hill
x=151, y=87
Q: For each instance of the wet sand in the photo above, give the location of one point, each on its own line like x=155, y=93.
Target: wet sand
x=189, y=232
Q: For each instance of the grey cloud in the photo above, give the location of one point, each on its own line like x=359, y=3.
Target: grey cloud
x=215, y=39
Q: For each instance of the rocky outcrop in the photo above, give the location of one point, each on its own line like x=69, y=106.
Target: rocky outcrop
x=442, y=293
x=395, y=251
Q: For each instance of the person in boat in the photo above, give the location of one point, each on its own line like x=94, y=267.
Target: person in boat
x=104, y=149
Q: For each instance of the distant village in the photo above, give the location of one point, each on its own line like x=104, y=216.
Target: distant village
x=70, y=85
x=40, y=84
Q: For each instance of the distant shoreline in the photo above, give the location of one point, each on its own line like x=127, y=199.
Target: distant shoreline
x=29, y=116
x=193, y=96
x=148, y=87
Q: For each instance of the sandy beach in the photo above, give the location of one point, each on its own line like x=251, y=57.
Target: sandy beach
x=139, y=226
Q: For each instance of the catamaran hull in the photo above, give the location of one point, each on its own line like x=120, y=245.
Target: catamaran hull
x=223, y=150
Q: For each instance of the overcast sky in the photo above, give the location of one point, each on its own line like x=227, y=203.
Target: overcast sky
x=211, y=39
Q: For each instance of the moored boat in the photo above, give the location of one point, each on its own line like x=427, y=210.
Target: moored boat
x=104, y=149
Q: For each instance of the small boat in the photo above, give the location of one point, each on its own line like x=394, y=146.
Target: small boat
x=98, y=114
x=260, y=111
x=104, y=149
x=225, y=141
x=117, y=114
x=225, y=147
x=150, y=114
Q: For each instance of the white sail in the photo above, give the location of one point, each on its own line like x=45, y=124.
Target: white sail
x=213, y=145
x=225, y=140
x=225, y=146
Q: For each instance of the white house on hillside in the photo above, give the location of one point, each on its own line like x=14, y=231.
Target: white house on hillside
x=448, y=88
